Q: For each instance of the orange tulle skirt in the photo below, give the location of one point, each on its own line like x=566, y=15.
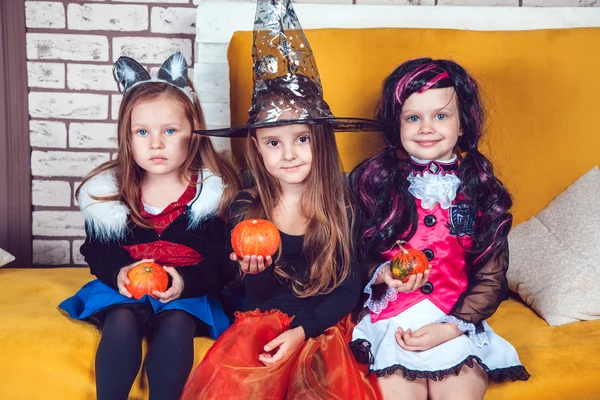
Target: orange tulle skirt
x=322, y=368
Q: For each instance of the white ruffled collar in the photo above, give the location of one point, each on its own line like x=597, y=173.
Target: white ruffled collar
x=435, y=183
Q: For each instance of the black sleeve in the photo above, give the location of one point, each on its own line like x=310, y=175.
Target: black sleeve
x=200, y=279
x=487, y=288
x=216, y=271
x=105, y=259
x=209, y=275
x=333, y=308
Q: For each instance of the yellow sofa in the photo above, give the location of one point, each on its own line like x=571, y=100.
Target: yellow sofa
x=541, y=89
x=541, y=92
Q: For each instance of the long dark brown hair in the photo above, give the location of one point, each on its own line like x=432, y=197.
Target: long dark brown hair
x=201, y=153
x=380, y=185
x=326, y=204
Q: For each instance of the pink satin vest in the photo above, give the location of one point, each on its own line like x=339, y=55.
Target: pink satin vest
x=448, y=275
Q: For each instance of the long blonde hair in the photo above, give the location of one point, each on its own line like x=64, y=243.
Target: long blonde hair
x=325, y=203
x=201, y=153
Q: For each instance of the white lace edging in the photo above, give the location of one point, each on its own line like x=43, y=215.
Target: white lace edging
x=480, y=339
x=434, y=188
x=377, y=306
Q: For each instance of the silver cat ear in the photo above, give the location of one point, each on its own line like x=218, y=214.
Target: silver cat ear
x=127, y=72
x=174, y=70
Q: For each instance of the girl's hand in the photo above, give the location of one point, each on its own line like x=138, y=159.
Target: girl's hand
x=123, y=280
x=413, y=283
x=252, y=264
x=287, y=342
x=427, y=337
x=174, y=291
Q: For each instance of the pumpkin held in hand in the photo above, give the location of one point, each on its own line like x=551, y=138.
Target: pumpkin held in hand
x=255, y=237
x=146, y=277
x=408, y=262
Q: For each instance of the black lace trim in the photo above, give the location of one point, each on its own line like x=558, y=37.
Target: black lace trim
x=518, y=372
x=361, y=349
x=513, y=373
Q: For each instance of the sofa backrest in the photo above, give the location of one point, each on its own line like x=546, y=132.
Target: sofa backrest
x=541, y=89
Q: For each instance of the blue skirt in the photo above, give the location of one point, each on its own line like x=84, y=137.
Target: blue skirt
x=96, y=296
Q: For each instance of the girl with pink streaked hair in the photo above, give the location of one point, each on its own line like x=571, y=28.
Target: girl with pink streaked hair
x=431, y=188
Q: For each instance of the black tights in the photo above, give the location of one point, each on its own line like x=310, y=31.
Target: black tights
x=168, y=362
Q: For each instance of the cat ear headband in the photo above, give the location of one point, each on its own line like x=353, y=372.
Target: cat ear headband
x=128, y=74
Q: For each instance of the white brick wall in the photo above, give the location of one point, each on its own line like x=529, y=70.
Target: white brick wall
x=107, y=17
x=58, y=223
x=93, y=135
x=44, y=14
x=151, y=50
x=51, y=193
x=73, y=100
x=65, y=163
x=488, y=3
x=173, y=20
x=115, y=103
x=46, y=75
x=68, y=105
x=55, y=46
x=51, y=252
x=47, y=134
x=561, y=3
x=398, y=2
x=90, y=77
x=77, y=257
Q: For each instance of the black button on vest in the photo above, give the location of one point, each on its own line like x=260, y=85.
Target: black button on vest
x=429, y=221
x=429, y=254
x=427, y=288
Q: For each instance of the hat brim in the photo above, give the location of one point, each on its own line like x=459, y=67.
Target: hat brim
x=338, y=124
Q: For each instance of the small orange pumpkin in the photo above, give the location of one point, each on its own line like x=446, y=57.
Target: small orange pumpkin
x=408, y=262
x=255, y=237
x=146, y=277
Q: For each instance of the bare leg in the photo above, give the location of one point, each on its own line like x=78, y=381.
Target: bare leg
x=469, y=384
x=396, y=387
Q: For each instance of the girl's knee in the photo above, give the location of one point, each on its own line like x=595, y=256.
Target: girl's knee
x=121, y=323
x=469, y=384
x=395, y=386
x=174, y=325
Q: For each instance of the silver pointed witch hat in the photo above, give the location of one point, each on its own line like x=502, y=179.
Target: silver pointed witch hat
x=287, y=86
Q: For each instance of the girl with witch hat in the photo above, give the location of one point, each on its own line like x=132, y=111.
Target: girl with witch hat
x=291, y=340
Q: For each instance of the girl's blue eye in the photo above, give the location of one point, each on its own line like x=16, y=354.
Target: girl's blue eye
x=441, y=117
x=170, y=131
x=272, y=143
x=413, y=118
x=303, y=139
x=142, y=132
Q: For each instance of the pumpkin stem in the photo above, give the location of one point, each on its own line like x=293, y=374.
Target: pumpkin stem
x=399, y=243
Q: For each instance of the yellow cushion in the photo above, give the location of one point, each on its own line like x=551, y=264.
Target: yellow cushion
x=540, y=88
x=47, y=355
x=43, y=353
x=560, y=359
